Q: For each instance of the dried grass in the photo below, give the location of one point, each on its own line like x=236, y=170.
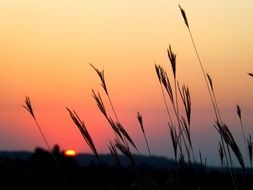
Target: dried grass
x=82, y=128
x=139, y=117
x=229, y=140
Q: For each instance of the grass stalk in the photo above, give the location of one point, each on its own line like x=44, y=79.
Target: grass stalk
x=139, y=117
x=158, y=72
x=29, y=108
x=215, y=108
x=125, y=137
x=250, y=149
x=224, y=131
x=86, y=136
x=239, y=113
x=82, y=128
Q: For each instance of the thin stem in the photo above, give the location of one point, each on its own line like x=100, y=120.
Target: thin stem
x=228, y=160
x=147, y=144
x=243, y=133
x=116, y=135
x=203, y=72
x=114, y=112
x=166, y=104
x=54, y=159
x=231, y=169
x=177, y=109
x=43, y=136
x=116, y=117
x=213, y=100
x=217, y=108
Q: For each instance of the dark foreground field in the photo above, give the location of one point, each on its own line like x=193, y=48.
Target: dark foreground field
x=38, y=170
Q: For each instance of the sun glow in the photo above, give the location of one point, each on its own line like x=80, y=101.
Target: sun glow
x=70, y=152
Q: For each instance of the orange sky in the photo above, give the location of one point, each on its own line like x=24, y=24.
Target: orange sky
x=46, y=48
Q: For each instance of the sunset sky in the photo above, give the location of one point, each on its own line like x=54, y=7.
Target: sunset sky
x=46, y=47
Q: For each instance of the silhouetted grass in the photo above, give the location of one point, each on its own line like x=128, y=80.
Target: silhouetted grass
x=189, y=169
x=28, y=107
x=139, y=117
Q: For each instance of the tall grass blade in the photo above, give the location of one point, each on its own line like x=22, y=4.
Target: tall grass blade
x=28, y=107
x=209, y=85
x=159, y=76
x=174, y=138
x=166, y=83
x=115, y=128
x=100, y=103
x=221, y=153
x=82, y=128
x=239, y=113
x=186, y=129
x=172, y=57
x=124, y=150
x=229, y=139
x=139, y=117
x=126, y=135
x=114, y=153
x=102, y=77
x=186, y=98
x=250, y=149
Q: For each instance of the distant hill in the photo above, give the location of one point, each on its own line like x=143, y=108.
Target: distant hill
x=14, y=155
x=83, y=159
x=156, y=162
x=36, y=170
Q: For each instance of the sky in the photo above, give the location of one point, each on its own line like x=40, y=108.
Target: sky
x=45, y=51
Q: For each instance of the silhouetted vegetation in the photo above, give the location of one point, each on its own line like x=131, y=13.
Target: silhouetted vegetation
x=50, y=169
x=37, y=170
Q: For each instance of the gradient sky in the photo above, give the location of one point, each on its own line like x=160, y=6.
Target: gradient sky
x=45, y=51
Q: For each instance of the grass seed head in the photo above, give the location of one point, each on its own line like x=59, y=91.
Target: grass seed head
x=139, y=117
x=28, y=106
x=238, y=110
x=99, y=102
x=102, y=77
x=184, y=16
x=250, y=74
x=172, y=57
x=210, y=81
x=82, y=128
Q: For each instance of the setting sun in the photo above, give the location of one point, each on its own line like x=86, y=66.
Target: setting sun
x=70, y=152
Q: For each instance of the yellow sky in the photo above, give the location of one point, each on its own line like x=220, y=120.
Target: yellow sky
x=46, y=48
